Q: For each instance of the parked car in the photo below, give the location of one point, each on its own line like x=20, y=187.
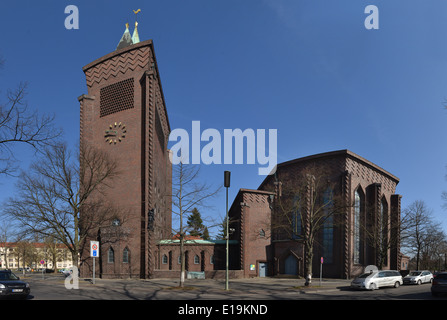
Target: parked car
x=69, y=271
x=378, y=279
x=10, y=285
x=418, y=277
x=439, y=284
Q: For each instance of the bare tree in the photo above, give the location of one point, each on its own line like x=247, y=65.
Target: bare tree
x=57, y=189
x=418, y=223
x=19, y=125
x=433, y=248
x=304, y=208
x=187, y=193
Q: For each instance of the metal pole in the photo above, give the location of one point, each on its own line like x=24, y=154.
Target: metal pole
x=228, y=239
x=321, y=272
x=93, y=270
x=227, y=175
x=321, y=269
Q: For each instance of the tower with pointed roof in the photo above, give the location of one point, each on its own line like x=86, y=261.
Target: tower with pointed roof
x=124, y=114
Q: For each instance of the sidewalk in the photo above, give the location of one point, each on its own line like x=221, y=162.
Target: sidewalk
x=168, y=289
x=253, y=288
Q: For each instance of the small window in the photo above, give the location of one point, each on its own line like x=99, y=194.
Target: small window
x=262, y=233
x=196, y=259
x=126, y=255
x=212, y=259
x=164, y=260
x=110, y=255
x=179, y=259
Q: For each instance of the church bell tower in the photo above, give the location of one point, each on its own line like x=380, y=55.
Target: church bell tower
x=124, y=114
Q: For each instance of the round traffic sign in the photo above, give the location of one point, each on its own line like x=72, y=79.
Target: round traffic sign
x=94, y=247
x=42, y=261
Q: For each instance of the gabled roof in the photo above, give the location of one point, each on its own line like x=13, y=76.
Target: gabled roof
x=346, y=153
x=242, y=190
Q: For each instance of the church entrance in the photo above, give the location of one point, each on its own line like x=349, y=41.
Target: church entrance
x=290, y=265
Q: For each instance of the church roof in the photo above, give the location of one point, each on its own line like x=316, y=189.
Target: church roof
x=346, y=153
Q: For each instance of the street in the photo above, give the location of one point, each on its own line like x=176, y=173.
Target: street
x=53, y=288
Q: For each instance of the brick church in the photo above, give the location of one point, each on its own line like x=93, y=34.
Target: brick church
x=124, y=114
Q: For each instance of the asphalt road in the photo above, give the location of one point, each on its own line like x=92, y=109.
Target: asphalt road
x=259, y=298
x=53, y=288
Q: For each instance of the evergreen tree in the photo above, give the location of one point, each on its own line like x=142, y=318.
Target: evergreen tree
x=206, y=234
x=222, y=235
x=195, y=224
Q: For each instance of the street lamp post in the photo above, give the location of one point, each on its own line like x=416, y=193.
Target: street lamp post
x=227, y=185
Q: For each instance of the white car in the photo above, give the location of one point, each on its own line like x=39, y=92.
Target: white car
x=418, y=277
x=378, y=279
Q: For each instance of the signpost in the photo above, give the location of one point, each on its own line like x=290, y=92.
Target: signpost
x=321, y=269
x=42, y=262
x=94, y=252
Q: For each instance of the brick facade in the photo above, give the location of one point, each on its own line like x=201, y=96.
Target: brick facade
x=347, y=173
x=125, y=97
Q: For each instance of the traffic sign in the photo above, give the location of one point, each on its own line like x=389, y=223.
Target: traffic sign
x=42, y=261
x=94, y=249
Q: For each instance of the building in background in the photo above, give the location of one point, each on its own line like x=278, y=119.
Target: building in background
x=17, y=255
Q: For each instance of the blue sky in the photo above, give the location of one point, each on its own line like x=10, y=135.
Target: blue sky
x=308, y=68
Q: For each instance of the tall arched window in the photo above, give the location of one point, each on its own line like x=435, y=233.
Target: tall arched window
x=358, y=204
x=296, y=218
x=328, y=226
x=126, y=255
x=383, y=223
x=110, y=255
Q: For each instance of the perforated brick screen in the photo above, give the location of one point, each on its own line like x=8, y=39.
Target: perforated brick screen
x=117, y=97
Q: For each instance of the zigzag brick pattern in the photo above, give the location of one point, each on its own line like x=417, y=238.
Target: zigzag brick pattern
x=132, y=60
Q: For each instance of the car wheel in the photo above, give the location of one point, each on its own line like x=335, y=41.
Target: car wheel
x=372, y=286
x=397, y=284
x=419, y=282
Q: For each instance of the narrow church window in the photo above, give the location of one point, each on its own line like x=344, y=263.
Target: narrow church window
x=296, y=218
x=164, y=259
x=384, y=231
x=262, y=233
x=328, y=226
x=110, y=255
x=196, y=259
x=357, y=210
x=126, y=255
